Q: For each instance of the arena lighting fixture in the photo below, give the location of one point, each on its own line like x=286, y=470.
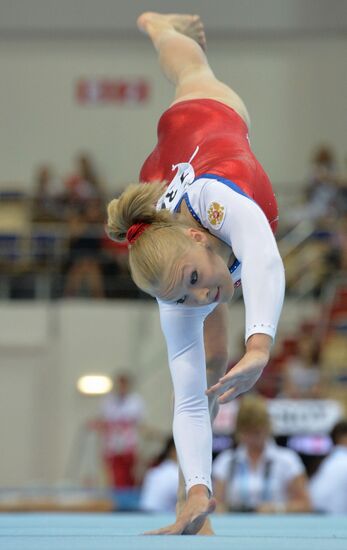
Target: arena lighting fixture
x=94, y=384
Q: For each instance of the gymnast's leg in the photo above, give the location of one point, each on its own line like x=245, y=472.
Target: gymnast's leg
x=180, y=42
x=216, y=340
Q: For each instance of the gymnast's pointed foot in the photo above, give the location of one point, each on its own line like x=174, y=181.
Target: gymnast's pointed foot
x=189, y=25
x=193, y=515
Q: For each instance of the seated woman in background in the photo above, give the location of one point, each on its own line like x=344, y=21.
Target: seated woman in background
x=259, y=476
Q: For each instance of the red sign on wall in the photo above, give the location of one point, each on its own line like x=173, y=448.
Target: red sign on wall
x=105, y=90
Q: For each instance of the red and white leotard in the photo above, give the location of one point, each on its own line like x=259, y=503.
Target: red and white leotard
x=224, y=150
x=203, y=153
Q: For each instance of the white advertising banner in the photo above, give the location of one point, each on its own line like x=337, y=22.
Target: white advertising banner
x=288, y=416
x=315, y=416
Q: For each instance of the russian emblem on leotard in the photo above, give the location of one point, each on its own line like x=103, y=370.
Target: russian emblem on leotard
x=215, y=214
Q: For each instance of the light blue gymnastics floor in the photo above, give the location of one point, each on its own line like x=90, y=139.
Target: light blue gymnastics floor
x=123, y=532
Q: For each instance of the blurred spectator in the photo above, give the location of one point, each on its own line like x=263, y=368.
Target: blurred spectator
x=320, y=192
x=47, y=195
x=342, y=192
x=322, y=187
x=258, y=475
x=337, y=256
x=301, y=370
x=84, y=184
x=328, y=486
x=122, y=416
x=159, y=489
x=84, y=274
x=115, y=267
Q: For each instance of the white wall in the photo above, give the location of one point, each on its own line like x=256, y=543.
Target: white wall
x=119, y=16
x=295, y=89
x=45, y=347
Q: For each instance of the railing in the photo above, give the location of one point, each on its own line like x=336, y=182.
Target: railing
x=35, y=263
x=35, y=257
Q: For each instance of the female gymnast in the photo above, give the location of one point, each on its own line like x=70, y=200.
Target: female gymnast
x=192, y=237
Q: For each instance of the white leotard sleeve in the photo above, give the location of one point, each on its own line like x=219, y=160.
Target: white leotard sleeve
x=183, y=330
x=243, y=225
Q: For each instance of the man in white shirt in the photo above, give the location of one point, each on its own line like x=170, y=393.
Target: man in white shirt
x=123, y=413
x=328, y=486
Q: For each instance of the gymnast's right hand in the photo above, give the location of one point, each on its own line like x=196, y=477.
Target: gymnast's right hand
x=246, y=372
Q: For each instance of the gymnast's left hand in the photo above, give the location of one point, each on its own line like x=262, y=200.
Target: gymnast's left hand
x=246, y=372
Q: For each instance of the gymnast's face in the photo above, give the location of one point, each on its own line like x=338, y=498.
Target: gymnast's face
x=199, y=277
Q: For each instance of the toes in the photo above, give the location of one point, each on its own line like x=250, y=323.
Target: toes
x=142, y=21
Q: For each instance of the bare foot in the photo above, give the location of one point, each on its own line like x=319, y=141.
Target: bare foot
x=192, y=517
x=189, y=25
x=206, y=528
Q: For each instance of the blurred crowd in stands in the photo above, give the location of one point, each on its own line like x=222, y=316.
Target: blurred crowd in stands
x=53, y=243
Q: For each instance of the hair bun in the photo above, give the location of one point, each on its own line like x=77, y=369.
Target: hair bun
x=137, y=204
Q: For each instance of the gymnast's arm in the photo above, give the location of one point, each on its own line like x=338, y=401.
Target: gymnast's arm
x=183, y=330
x=246, y=229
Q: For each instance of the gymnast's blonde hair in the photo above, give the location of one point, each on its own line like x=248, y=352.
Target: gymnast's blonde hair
x=154, y=253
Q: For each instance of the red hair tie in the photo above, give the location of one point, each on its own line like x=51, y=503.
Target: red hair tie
x=135, y=231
